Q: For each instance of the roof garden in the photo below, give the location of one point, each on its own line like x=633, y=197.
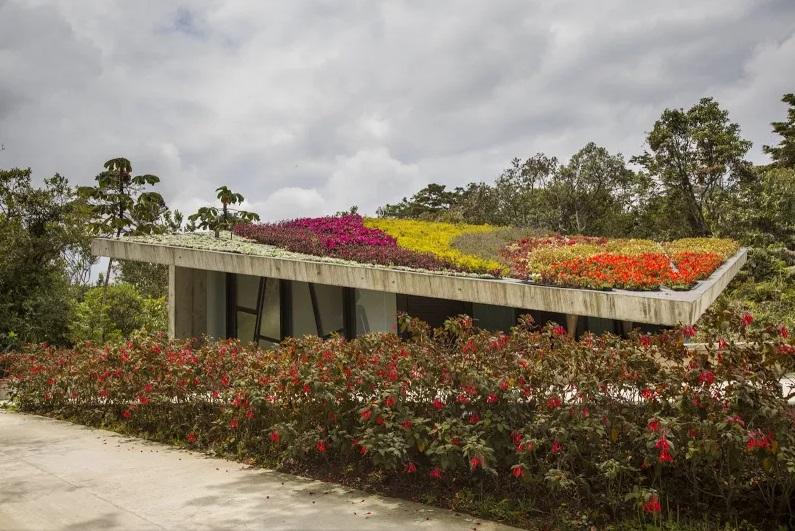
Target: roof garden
x=462, y=249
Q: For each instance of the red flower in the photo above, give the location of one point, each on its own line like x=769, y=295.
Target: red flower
x=407, y=424
x=275, y=437
x=652, y=505
x=320, y=446
x=411, y=468
x=517, y=471
x=191, y=437
x=249, y=414
x=647, y=393
x=645, y=340
x=504, y=385
x=126, y=413
x=689, y=331
x=783, y=332
x=654, y=425
x=307, y=389
x=438, y=404
x=491, y=399
x=706, y=377
x=148, y=388
x=556, y=447
x=390, y=401
x=559, y=330
x=664, y=446
x=474, y=418
x=379, y=420
x=475, y=462
x=365, y=415
x=554, y=402
x=143, y=399
x=436, y=473
x=362, y=450
x=233, y=424
x=758, y=440
x=746, y=318
x=455, y=441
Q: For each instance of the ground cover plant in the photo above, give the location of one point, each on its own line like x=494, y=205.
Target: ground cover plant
x=514, y=426
x=601, y=263
x=343, y=237
x=569, y=261
x=437, y=238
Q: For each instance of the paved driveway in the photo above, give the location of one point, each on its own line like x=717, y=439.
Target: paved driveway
x=57, y=475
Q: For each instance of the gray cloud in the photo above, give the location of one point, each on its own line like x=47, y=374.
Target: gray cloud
x=308, y=107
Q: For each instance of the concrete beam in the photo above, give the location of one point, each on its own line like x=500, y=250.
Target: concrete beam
x=664, y=307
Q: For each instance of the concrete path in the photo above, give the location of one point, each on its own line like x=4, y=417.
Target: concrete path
x=57, y=475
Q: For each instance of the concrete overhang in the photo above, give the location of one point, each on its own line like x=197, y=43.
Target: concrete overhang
x=664, y=307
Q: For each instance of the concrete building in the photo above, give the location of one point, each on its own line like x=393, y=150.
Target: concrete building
x=233, y=288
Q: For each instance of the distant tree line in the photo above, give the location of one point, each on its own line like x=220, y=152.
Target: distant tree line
x=692, y=179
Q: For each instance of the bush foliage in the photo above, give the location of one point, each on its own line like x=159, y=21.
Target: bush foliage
x=599, y=430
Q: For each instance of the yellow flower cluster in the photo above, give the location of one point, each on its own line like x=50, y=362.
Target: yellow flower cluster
x=437, y=238
x=721, y=246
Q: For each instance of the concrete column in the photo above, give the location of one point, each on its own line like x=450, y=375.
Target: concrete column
x=626, y=327
x=187, y=302
x=571, y=325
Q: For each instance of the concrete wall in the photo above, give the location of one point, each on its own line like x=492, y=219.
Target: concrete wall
x=187, y=302
x=664, y=307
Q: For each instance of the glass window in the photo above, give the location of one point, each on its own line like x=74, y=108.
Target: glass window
x=318, y=309
x=270, y=324
x=376, y=311
x=493, y=318
x=245, y=326
x=303, y=316
x=330, y=309
x=247, y=289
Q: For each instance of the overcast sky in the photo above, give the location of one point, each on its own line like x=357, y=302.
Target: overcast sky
x=308, y=107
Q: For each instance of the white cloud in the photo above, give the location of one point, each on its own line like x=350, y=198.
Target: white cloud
x=309, y=107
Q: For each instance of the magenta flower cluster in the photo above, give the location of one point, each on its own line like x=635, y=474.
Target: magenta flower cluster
x=343, y=237
x=337, y=231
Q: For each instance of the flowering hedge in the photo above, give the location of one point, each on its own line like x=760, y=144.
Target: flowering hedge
x=599, y=430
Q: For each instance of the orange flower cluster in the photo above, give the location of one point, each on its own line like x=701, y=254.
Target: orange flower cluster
x=647, y=271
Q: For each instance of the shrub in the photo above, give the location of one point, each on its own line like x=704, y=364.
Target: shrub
x=124, y=311
x=616, y=428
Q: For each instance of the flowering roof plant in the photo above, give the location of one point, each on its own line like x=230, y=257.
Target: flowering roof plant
x=561, y=260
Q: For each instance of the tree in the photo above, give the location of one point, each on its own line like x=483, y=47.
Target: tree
x=592, y=193
x=42, y=227
x=114, y=315
x=784, y=153
x=224, y=219
x=121, y=206
x=426, y=204
x=694, y=156
x=151, y=280
x=516, y=191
